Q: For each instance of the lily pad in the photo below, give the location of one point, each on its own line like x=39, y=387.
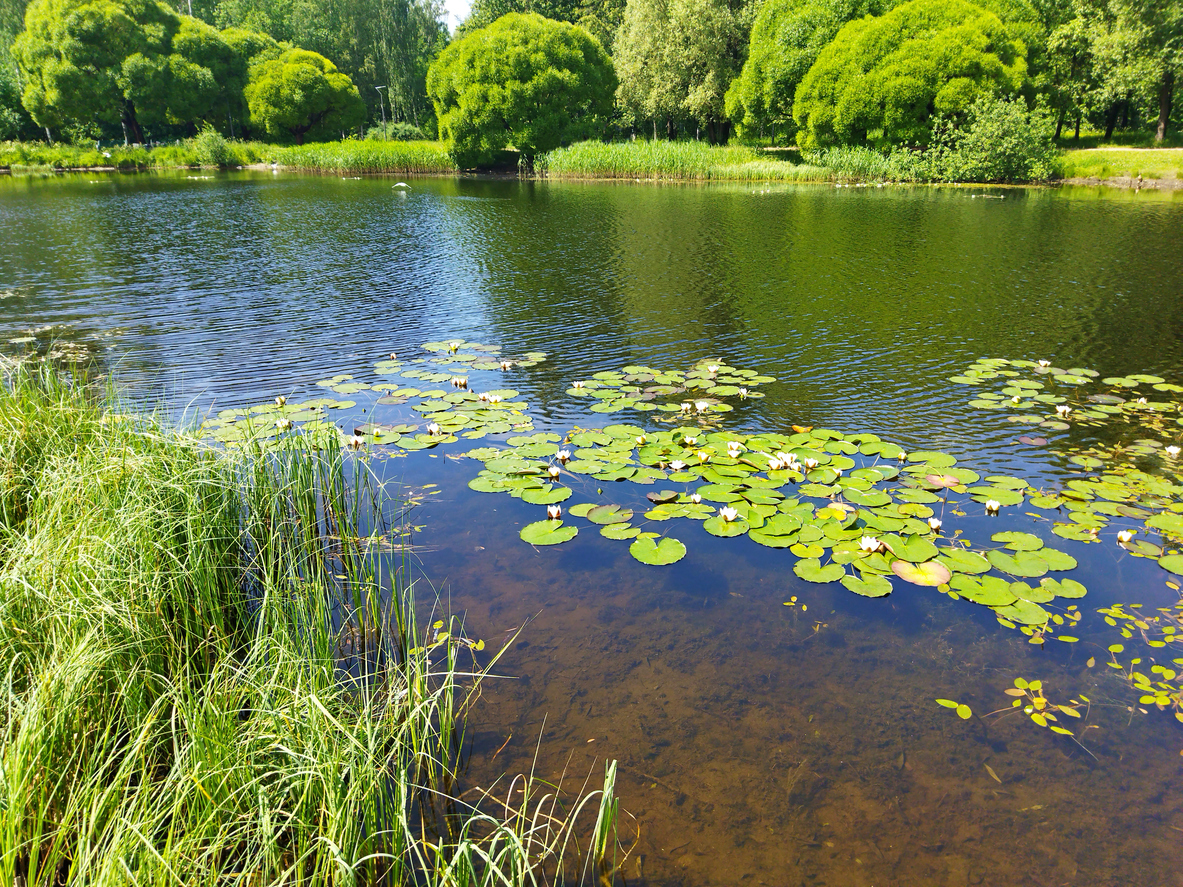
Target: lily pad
x=1017, y=541
x=657, y=552
x=548, y=532
x=931, y=573
x=811, y=570
x=868, y=586
x=1172, y=563
x=609, y=514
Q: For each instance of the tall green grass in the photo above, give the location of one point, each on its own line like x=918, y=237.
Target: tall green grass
x=38, y=155
x=367, y=157
x=686, y=161
x=204, y=682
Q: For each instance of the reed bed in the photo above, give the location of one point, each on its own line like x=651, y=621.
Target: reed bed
x=685, y=161
x=189, y=153
x=358, y=157
x=211, y=678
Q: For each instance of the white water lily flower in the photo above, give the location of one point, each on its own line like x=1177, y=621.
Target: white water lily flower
x=506, y=364
x=1044, y=363
x=563, y=456
x=703, y=456
x=355, y=442
x=992, y=506
x=283, y=424
x=810, y=463
x=743, y=392
x=677, y=465
x=1015, y=399
x=553, y=512
x=695, y=498
x=393, y=356
x=775, y=464
x=640, y=440
x=689, y=441
x=459, y=382
x=713, y=368
x=1063, y=410
x=280, y=401
x=1125, y=536
x=870, y=544
x=553, y=470
x=1172, y=451
x=686, y=406
x=493, y=398
x=1141, y=400
x=903, y=457
x=934, y=524
x=701, y=405
x=576, y=385
x=734, y=448
x=433, y=429
x=728, y=513
x=454, y=346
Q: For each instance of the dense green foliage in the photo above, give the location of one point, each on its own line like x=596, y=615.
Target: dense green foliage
x=524, y=81
x=202, y=677
x=300, y=95
x=369, y=156
x=882, y=79
x=677, y=58
x=787, y=37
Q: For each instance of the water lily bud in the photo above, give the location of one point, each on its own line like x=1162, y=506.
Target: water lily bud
x=695, y=498
x=734, y=448
x=1125, y=536
x=992, y=506
x=934, y=524
x=903, y=457
x=774, y=464
x=1015, y=399
x=283, y=424
x=280, y=401
x=553, y=512
x=563, y=456
x=355, y=442
x=728, y=513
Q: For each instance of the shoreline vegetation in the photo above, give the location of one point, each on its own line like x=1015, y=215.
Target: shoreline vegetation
x=685, y=161
x=211, y=676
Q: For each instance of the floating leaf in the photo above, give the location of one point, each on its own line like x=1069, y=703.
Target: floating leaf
x=657, y=552
x=870, y=585
x=1017, y=541
x=1172, y=563
x=548, y=532
x=931, y=573
x=717, y=526
x=811, y=570
x=609, y=514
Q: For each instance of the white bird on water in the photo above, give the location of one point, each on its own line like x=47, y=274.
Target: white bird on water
x=402, y=185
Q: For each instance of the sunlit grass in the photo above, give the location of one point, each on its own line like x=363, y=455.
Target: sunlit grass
x=210, y=679
x=686, y=161
x=1104, y=163
x=367, y=157
x=39, y=155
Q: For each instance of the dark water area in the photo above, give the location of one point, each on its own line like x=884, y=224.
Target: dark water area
x=758, y=743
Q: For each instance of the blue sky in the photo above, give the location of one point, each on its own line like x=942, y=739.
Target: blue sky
x=455, y=11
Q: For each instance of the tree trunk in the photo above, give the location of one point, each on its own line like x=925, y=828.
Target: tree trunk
x=1059, y=124
x=1165, y=90
x=1076, y=135
x=669, y=129
x=1110, y=121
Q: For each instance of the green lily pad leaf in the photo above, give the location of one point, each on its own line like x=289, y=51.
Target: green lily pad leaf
x=619, y=531
x=1168, y=522
x=1172, y=563
x=811, y=570
x=1040, y=594
x=545, y=496
x=1017, y=541
x=717, y=526
x=961, y=561
x=548, y=532
x=990, y=591
x=804, y=549
x=663, y=497
x=931, y=573
x=868, y=499
x=657, y=552
x=1023, y=612
x=914, y=549
x=1022, y=563
x=1066, y=588
x=868, y=586
x=1057, y=560
x=1075, y=532
x=485, y=484
x=1001, y=495
x=609, y=514
x=772, y=541
x=581, y=509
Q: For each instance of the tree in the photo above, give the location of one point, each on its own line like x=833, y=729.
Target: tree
x=678, y=57
x=787, y=37
x=1156, y=34
x=300, y=95
x=882, y=79
x=600, y=18
x=524, y=80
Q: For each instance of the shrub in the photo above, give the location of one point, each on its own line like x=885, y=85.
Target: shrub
x=211, y=148
x=396, y=132
x=1002, y=142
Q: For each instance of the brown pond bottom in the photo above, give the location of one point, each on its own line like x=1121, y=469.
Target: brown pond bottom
x=757, y=746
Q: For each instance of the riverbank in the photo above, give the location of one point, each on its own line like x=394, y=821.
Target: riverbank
x=205, y=678
x=1113, y=166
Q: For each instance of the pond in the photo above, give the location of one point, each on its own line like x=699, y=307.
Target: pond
x=770, y=729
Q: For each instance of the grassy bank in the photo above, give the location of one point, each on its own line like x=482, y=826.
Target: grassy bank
x=367, y=157
x=687, y=161
x=204, y=684
x=190, y=153
x=1113, y=162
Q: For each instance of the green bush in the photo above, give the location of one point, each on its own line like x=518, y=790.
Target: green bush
x=301, y=95
x=524, y=81
x=396, y=132
x=881, y=80
x=1003, y=142
x=211, y=148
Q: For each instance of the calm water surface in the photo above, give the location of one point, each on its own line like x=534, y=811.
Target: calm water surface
x=758, y=743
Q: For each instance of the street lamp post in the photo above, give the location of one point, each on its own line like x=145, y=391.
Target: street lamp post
x=383, y=107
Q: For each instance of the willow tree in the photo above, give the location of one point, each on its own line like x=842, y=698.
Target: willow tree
x=301, y=95
x=881, y=80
